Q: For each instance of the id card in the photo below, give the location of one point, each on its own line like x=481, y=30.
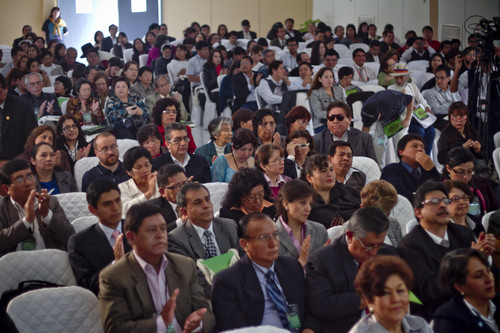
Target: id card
x=420, y=113
x=292, y=314
x=393, y=128
x=474, y=208
x=29, y=245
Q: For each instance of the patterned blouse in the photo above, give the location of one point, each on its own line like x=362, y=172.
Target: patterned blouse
x=116, y=109
x=75, y=105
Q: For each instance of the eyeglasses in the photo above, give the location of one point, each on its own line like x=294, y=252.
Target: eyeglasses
x=281, y=159
x=302, y=145
x=456, y=116
x=169, y=112
x=371, y=247
x=266, y=237
x=106, y=149
x=302, y=122
x=21, y=179
x=332, y=117
x=186, y=139
x=463, y=173
x=173, y=187
x=69, y=128
x=141, y=167
x=255, y=197
x=270, y=124
x=457, y=198
x=436, y=201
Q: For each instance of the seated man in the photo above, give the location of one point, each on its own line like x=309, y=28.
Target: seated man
x=94, y=248
x=42, y=103
x=245, y=32
x=149, y=289
x=331, y=271
x=291, y=32
x=202, y=236
x=339, y=118
x=26, y=31
x=92, y=55
x=195, y=64
x=48, y=66
x=69, y=62
x=419, y=50
x=170, y=179
x=289, y=57
x=244, y=85
x=329, y=61
x=388, y=43
x=374, y=54
x=301, y=57
x=272, y=88
x=15, y=54
x=29, y=220
x=233, y=40
x=345, y=81
x=428, y=242
x=177, y=140
x=268, y=57
x=415, y=167
x=162, y=87
x=109, y=167
x=262, y=288
x=108, y=42
x=279, y=41
x=361, y=72
x=113, y=71
x=340, y=155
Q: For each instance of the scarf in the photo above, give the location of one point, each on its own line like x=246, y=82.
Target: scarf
x=58, y=25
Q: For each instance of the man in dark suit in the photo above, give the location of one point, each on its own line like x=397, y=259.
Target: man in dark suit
x=374, y=54
x=24, y=225
x=108, y=42
x=42, y=103
x=244, y=96
x=170, y=179
x=202, y=236
x=94, y=248
x=339, y=118
x=279, y=41
x=290, y=32
x=245, y=32
x=238, y=298
x=415, y=166
x=425, y=246
x=331, y=270
x=340, y=155
x=149, y=289
x=17, y=120
x=177, y=141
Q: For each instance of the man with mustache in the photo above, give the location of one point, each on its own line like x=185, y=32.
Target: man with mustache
x=425, y=246
x=340, y=155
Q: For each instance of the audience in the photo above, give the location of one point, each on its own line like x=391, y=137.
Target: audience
x=220, y=140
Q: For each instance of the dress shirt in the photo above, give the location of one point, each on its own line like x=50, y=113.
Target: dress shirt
x=108, y=232
x=436, y=239
x=344, y=136
x=270, y=316
x=490, y=319
x=363, y=74
x=195, y=67
x=463, y=84
x=406, y=56
x=289, y=61
x=297, y=84
x=200, y=231
x=183, y=164
x=439, y=100
x=270, y=97
x=247, y=35
x=349, y=173
x=40, y=244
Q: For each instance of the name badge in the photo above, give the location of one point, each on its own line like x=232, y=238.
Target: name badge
x=292, y=314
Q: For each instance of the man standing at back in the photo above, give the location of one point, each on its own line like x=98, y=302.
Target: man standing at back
x=111, y=40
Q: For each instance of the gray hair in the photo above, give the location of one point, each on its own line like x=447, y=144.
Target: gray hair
x=161, y=76
x=173, y=127
x=215, y=126
x=368, y=219
x=181, y=195
x=30, y=75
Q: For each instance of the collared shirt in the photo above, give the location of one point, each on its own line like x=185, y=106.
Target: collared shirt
x=178, y=222
x=251, y=97
x=195, y=67
x=271, y=316
x=297, y=84
x=409, y=168
x=40, y=244
x=344, y=136
x=490, y=319
x=295, y=241
x=276, y=187
x=270, y=97
x=99, y=171
x=436, y=239
x=200, y=231
x=289, y=61
x=363, y=74
x=108, y=232
x=406, y=56
x=439, y=100
x=183, y=164
x=349, y=174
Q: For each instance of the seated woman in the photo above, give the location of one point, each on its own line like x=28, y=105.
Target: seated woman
x=333, y=202
x=304, y=80
x=130, y=72
x=465, y=274
x=460, y=167
x=298, y=236
x=86, y=110
x=383, y=283
x=296, y=119
x=247, y=193
x=264, y=127
x=139, y=49
x=43, y=159
x=62, y=86
x=101, y=87
x=144, y=86
x=220, y=140
x=142, y=184
x=460, y=195
x=242, y=119
x=270, y=161
x=458, y=133
x=44, y=133
x=240, y=158
x=386, y=68
x=71, y=140
x=226, y=93
x=125, y=111
x=167, y=111
x=150, y=138
x=211, y=70
x=33, y=66
x=299, y=146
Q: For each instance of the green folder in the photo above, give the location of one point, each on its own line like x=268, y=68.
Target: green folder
x=60, y=100
x=219, y=263
x=393, y=128
x=414, y=299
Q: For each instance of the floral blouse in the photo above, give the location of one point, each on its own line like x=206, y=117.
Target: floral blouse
x=116, y=109
x=75, y=105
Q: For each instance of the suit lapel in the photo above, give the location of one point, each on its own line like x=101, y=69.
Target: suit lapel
x=349, y=266
x=253, y=291
x=101, y=245
x=424, y=238
x=221, y=237
x=141, y=286
x=195, y=241
x=285, y=239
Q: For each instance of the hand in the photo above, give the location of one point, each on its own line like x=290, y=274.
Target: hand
x=214, y=158
x=182, y=71
x=41, y=109
x=424, y=160
x=151, y=185
x=132, y=110
x=43, y=202
x=485, y=243
x=304, y=250
x=428, y=110
x=50, y=106
x=118, y=249
x=476, y=145
x=458, y=63
x=58, y=157
x=328, y=242
x=83, y=152
x=193, y=321
x=95, y=107
x=285, y=79
x=167, y=312
x=290, y=148
x=257, y=79
x=406, y=122
x=307, y=80
x=29, y=208
x=277, y=139
x=468, y=144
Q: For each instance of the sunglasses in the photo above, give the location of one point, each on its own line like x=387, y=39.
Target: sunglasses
x=332, y=117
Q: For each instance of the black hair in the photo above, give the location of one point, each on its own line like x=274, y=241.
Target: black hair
x=138, y=213
x=10, y=168
x=144, y=69
x=258, y=116
x=161, y=105
x=422, y=190
x=201, y=44
x=241, y=184
x=146, y=131
x=337, y=143
x=133, y=154
x=167, y=171
x=97, y=188
x=181, y=195
x=407, y=138
x=345, y=71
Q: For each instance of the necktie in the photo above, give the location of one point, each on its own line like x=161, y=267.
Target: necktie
x=210, y=249
x=115, y=235
x=445, y=243
x=277, y=298
x=415, y=174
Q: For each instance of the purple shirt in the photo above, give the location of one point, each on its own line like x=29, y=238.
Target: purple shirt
x=295, y=241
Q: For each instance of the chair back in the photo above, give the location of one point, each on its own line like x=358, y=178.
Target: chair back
x=124, y=145
x=74, y=204
x=368, y=166
x=127, y=55
x=83, y=165
x=84, y=222
x=217, y=193
x=403, y=212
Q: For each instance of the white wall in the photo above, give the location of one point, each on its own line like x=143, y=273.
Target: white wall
x=404, y=15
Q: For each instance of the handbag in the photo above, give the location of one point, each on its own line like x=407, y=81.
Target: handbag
x=24, y=287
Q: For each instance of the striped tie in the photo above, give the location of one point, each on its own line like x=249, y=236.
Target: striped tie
x=277, y=298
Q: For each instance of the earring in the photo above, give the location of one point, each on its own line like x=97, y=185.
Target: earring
x=462, y=293
x=370, y=309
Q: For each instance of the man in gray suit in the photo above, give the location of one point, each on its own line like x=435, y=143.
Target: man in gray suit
x=202, y=236
x=339, y=118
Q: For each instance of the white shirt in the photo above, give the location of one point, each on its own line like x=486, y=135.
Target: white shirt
x=200, y=231
x=490, y=319
x=40, y=244
x=289, y=61
x=270, y=97
x=363, y=74
x=195, y=67
x=436, y=239
x=407, y=54
x=297, y=84
x=183, y=164
x=176, y=66
x=251, y=97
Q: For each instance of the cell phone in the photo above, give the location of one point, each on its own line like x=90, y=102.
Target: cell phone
x=135, y=107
